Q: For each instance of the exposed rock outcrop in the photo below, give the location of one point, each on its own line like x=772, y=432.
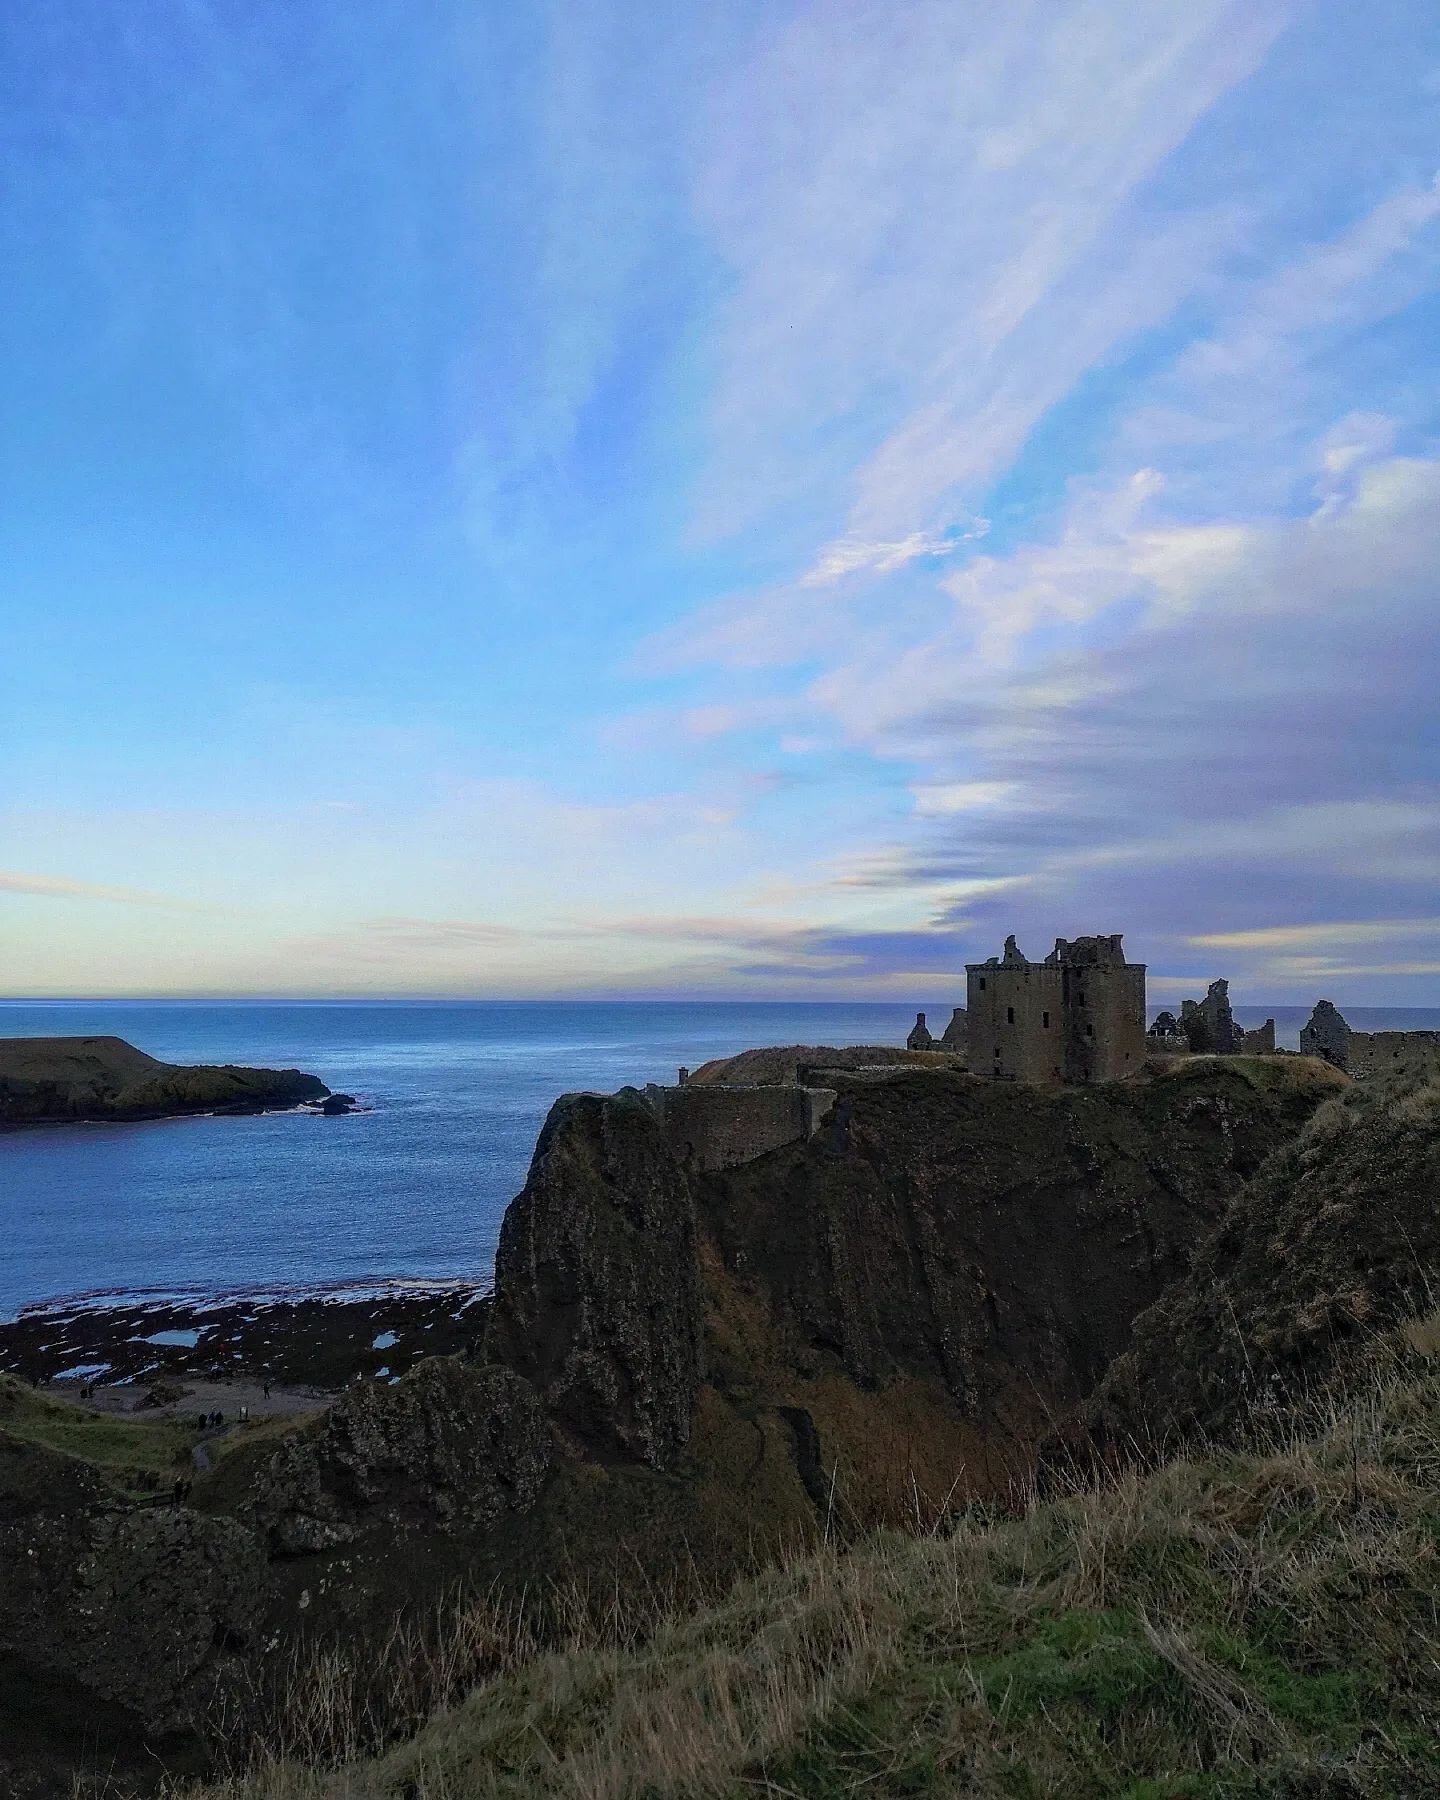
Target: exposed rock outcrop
x=992, y=1243
x=451, y=1445
x=145, y=1608
x=47, y=1080
x=597, y=1297
x=1338, y=1234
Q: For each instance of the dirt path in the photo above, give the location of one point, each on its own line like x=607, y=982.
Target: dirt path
x=224, y=1396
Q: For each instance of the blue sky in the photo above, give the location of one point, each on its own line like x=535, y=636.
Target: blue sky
x=757, y=499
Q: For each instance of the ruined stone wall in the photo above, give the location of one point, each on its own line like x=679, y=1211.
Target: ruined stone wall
x=1209, y=1024
x=1104, y=1021
x=1015, y=1023
x=1327, y=1035
x=721, y=1127
x=1260, y=1042
x=1375, y=1053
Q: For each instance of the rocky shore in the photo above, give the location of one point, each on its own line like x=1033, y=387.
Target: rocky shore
x=316, y=1339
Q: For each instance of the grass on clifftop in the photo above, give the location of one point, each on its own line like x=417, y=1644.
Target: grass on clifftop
x=1260, y=1624
x=132, y=1454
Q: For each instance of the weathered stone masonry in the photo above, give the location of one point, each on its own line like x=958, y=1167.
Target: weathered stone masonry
x=1365, y=1054
x=721, y=1127
x=1078, y=1016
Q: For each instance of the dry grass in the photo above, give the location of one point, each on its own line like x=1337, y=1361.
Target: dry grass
x=1230, y=1624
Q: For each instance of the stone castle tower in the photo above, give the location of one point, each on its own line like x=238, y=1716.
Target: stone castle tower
x=1077, y=1016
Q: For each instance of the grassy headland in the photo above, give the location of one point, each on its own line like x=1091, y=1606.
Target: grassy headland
x=1252, y=1622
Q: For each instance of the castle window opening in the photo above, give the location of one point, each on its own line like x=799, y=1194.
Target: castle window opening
x=982, y=982
x=1009, y=1015
x=1089, y=1031
x=1044, y=1021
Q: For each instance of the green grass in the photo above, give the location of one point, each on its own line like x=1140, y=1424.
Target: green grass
x=1232, y=1626
x=130, y=1453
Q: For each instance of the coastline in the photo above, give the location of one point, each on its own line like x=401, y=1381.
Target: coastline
x=312, y=1336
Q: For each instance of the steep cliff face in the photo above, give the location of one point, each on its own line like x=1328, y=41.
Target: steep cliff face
x=597, y=1286
x=1338, y=1236
x=949, y=1266
x=904, y=1303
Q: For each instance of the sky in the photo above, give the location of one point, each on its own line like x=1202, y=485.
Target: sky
x=757, y=500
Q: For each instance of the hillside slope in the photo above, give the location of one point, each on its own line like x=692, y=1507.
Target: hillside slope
x=685, y=1372
x=1188, y=1634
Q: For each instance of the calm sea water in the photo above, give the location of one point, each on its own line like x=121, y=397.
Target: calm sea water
x=414, y=1188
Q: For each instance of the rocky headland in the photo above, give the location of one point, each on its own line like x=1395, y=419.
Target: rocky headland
x=54, y=1080
x=945, y=1289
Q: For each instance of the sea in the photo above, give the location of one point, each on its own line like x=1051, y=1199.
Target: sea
x=410, y=1190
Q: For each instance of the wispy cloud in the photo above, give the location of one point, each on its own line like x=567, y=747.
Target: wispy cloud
x=62, y=887
x=1336, y=933
x=931, y=219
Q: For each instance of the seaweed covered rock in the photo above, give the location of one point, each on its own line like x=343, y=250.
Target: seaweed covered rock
x=597, y=1297
x=1336, y=1237
x=450, y=1445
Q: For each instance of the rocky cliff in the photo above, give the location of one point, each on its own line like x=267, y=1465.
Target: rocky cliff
x=47, y=1080
x=1336, y=1239
x=122, y=1625
x=683, y=1368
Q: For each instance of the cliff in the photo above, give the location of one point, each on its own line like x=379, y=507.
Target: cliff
x=48, y=1080
x=1335, y=1240
x=892, y=1313
x=686, y=1369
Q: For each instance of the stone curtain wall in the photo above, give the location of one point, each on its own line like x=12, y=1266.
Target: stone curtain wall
x=1369, y=1053
x=1394, y=1053
x=721, y=1127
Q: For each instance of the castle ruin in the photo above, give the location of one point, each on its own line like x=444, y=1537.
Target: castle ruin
x=1078, y=1016
x=1365, y=1054
x=1208, y=1027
